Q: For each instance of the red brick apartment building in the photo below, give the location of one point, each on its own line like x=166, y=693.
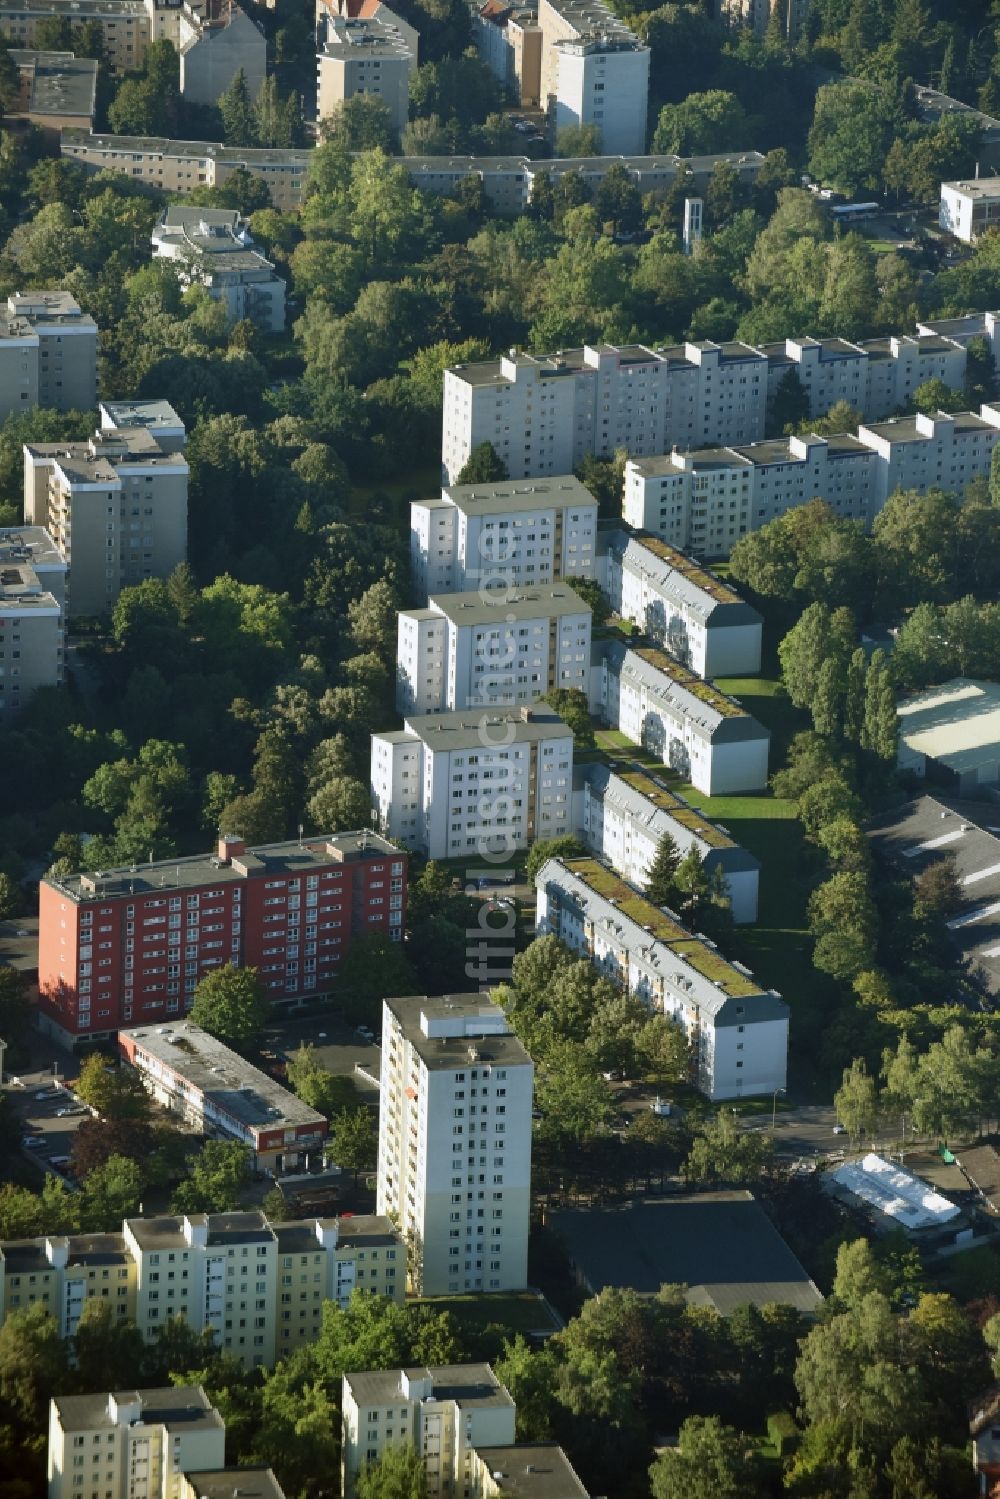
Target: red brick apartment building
x=124, y=947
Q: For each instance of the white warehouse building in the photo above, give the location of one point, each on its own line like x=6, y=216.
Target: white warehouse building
x=492, y=647
x=484, y=535
x=690, y=725
x=699, y=619
x=479, y=782
x=737, y=1030
x=624, y=814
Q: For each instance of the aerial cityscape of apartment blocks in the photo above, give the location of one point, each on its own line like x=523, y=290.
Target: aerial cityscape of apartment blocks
x=127, y=946
x=544, y=413
x=474, y=784
x=48, y=354
x=699, y=619
x=481, y=535
x=625, y=814
x=259, y=1285
x=32, y=600
x=496, y=646
x=737, y=1030
x=212, y=1088
x=454, y=1153
x=692, y=727
x=116, y=508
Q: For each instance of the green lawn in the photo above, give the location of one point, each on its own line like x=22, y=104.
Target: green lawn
x=523, y=1312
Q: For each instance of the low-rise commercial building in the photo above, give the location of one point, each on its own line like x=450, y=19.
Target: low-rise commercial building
x=116, y=508
x=212, y=247
x=48, y=354
x=951, y=734
x=699, y=619
x=364, y=56
x=737, y=1030
x=57, y=90
x=213, y=1088
x=624, y=816
x=127, y=946
x=488, y=535
x=443, y=1412
x=493, y=647
x=248, y=1481
x=482, y=782
x=132, y=1443
x=260, y=1286
x=700, y=732
x=32, y=595
x=454, y=1153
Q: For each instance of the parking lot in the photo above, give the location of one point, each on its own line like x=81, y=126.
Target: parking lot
x=51, y=1117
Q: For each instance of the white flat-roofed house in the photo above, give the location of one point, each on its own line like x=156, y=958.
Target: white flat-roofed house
x=212, y=247
x=737, y=1030
x=500, y=646
x=687, y=723
x=693, y=614
x=951, y=733
x=968, y=209
x=625, y=814
x=155, y=416
x=517, y=533
x=472, y=783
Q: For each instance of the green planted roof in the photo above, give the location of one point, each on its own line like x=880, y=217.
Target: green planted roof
x=689, y=817
x=691, y=949
x=711, y=696
x=688, y=568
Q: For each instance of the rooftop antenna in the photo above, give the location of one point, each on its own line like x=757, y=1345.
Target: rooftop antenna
x=300, y=835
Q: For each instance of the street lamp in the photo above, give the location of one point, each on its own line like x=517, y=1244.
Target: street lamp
x=902, y=1143
x=774, y=1107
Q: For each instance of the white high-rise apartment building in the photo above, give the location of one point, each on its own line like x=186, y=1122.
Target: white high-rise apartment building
x=454, y=1161
x=364, y=56
x=926, y=452
x=625, y=814
x=48, y=353
x=594, y=71
x=116, y=508
x=485, y=535
x=32, y=596
x=132, y=1444
x=444, y=1413
x=737, y=1030
x=494, y=647
x=701, y=620
x=479, y=783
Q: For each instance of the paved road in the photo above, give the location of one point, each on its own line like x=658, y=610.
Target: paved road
x=805, y=1130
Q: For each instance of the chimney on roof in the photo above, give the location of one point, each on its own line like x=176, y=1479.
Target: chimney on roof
x=229, y=846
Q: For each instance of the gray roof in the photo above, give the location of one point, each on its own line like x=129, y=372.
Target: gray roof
x=505, y=606
x=721, y=1245
x=532, y=1470
x=180, y=1406
x=680, y=580
x=508, y=495
x=493, y=1045
x=59, y=82
x=159, y=145
x=166, y=1231
x=237, y=1089
x=251, y=1482
x=20, y=586
x=155, y=415
x=650, y=805
x=465, y=730
x=465, y=1384
x=681, y=692
x=362, y=1231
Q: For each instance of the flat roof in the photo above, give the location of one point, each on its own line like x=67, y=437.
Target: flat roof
x=474, y=728
x=509, y=495
x=531, y=1470
x=361, y=1231
x=59, y=83
x=720, y=1245
x=527, y=601
x=956, y=724
x=895, y=1192
x=175, y=1405
x=466, y=1384
x=290, y=857
x=495, y=1043
x=231, y=1083
x=156, y=415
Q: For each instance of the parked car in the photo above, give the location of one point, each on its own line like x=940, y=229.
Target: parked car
x=661, y=1108
x=839, y=1129
x=44, y=1093
x=366, y=1033
x=33, y=1142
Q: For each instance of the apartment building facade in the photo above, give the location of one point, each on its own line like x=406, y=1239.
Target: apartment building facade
x=132, y=1444
x=923, y=452
x=624, y=815
x=206, y=1268
x=543, y=413
x=193, y=1075
x=737, y=1031
x=480, y=783
x=454, y=1157
x=444, y=1413
x=491, y=535
x=594, y=71
x=182, y=166
x=694, y=615
x=116, y=508
x=48, y=354
x=212, y=247
x=32, y=597
x=495, y=646
x=364, y=56
x=125, y=947
x=688, y=724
